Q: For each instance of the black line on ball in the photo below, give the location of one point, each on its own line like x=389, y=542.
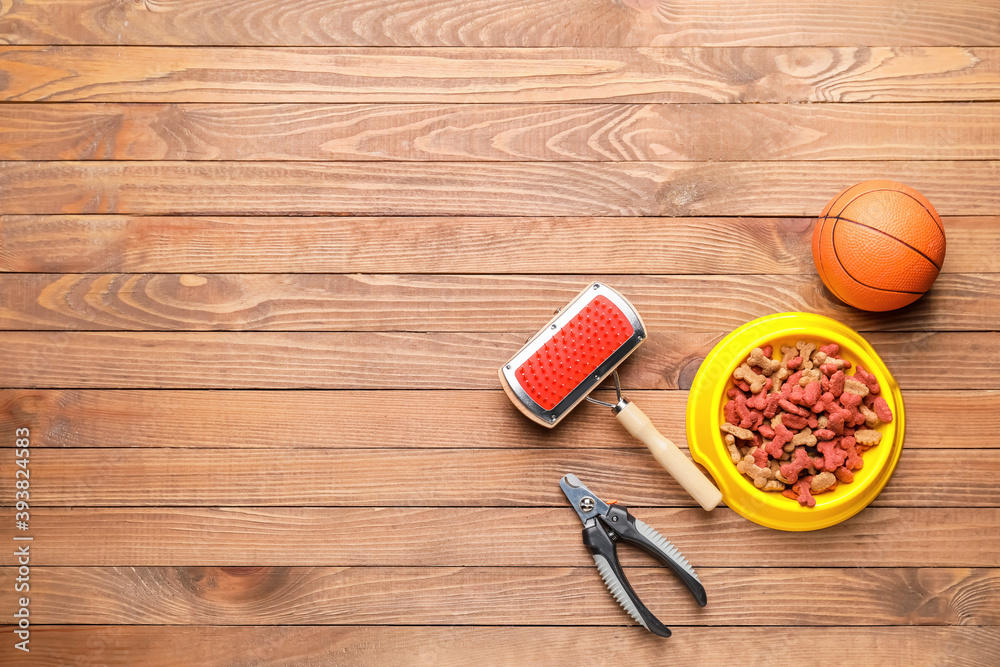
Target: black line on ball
x=894, y=238
x=833, y=242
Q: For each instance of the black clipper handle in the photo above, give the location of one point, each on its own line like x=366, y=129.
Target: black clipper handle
x=605, y=554
x=628, y=528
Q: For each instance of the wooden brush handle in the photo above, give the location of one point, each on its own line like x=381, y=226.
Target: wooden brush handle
x=676, y=463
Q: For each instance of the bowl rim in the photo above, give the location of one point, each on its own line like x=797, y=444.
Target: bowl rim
x=704, y=416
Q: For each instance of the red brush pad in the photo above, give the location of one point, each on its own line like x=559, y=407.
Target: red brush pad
x=574, y=352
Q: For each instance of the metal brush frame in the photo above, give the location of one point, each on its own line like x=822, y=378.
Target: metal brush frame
x=555, y=415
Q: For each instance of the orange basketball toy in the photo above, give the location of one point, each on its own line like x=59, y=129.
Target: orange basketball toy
x=878, y=245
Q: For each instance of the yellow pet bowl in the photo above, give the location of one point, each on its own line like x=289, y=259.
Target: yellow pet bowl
x=705, y=416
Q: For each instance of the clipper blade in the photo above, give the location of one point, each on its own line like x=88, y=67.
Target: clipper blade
x=572, y=354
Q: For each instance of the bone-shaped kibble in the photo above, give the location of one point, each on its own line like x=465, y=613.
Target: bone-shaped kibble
x=871, y=419
x=855, y=386
x=766, y=364
x=736, y=431
x=742, y=411
x=833, y=456
x=837, y=364
x=861, y=374
x=881, y=408
x=812, y=393
x=746, y=374
x=781, y=478
x=810, y=375
x=822, y=482
x=805, y=351
x=800, y=461
x=778, y=377
x=803, y=438
x=844, y=475
x=802, y=488
x=837, y=381
x=752, y=470
x=734, y=452
x=867, y=437
x=854, y=460
x=794, y=422
x=782, y=436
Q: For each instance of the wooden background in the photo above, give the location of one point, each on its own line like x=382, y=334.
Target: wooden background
x=261, y=260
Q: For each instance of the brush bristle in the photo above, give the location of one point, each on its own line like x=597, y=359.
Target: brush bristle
x=574, y=352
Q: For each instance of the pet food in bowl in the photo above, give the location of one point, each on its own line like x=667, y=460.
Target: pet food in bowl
x=798, y=424
x=706, y=415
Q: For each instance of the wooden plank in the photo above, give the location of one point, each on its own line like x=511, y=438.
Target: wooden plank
x=549, y=132
x=113, y=244
x=317, y=360
x=735, y=74
x=513, y=477
x=464, y=188
x=502, y=23
x=495, y=537
x=287, y=646
x=948, y=419
x=535, y=596
x=240, y=302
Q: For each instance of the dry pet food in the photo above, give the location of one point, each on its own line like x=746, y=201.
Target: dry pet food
x=799, y=425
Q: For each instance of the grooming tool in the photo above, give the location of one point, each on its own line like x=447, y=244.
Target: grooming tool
x=578, y=348
x=604, y=525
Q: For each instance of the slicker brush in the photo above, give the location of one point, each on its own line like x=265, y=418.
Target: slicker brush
x=572, y=355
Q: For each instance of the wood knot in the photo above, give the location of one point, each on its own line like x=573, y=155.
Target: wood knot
x=232, y=584
x=193, y=281
x=241, y=571
x=686, y=376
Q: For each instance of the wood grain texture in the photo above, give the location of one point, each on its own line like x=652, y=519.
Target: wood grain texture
x=513, y=477
x=736, y=74
x=500, y=23
x=530, y=245
x=535, y=596
x=259, y=262
x=159, y=646
x=472, y=420
x=448, y=303
x=464, y=188
x=499, y=537
x=546, y=132
x=379, y=360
